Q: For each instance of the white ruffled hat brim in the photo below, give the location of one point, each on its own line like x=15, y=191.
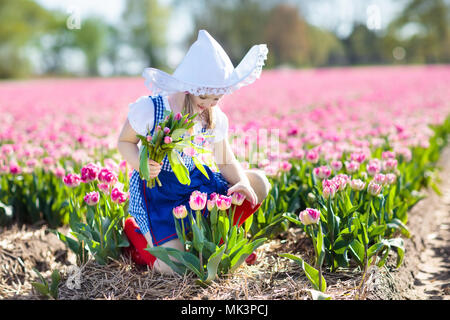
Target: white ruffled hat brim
x=248, y=70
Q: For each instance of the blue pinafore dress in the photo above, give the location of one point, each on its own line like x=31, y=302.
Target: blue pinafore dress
x=152, y=208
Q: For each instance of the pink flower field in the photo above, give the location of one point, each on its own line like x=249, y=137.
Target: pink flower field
x=346, y=151
x=44, y=121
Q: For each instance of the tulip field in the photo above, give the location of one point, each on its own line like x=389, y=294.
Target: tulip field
x=346, y=151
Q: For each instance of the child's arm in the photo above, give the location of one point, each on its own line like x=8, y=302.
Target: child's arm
x=232, y=170
x=127, y=145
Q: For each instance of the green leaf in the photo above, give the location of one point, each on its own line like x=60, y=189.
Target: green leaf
x=311, y=273
x=178, y=229
x=317, y=295
x=374, y=249
x=90, y=216
x=162, y=254
x=376, y=231
x=224, y=225
x=71, y=243
x=178, y=167
x=400, y=246
x=357, y=251
x=144, y=170
x=178, y=133
x=232, y=239
x=198, y=237
x=41, y=288
x=200, y=167
x=293, y=220
x=213, y=264
x=248, y=223
x=397, y=224
x=240, y=257
x=187, y=259
x=56, y=278
x=320, y=250
x=40, y=277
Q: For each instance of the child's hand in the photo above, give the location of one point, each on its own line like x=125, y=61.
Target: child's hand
x=246, y=190
x=154, y=167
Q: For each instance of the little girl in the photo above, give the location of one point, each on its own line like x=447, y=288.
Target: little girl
x=202, y=78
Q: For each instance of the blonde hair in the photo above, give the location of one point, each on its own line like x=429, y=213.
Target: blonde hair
x=205, y=117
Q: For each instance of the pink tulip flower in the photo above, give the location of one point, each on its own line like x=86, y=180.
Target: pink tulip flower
x=237, y=198
x=14, y=168
x=180, y=212
x=59, y=172
x=72, y=180
x=390, y=165
x=210, y=204
x=352, y=166
x=336, y=165
x=309, y=216
x=48, y=161
x=223, y=202
x=373, y=167
x=103, y=187
x=357, y=184
x=107, y=176
x=387, y=155
x=391, y=178
x=89, y=172
x=199, y=139
x=380, y=178
x=31, y=163
x=374, y=189
x=312, y=156
x=340, y=181
x=285, y=166
x=167, y=140
x=322, y=172
x=328, y=192
x=197, y=200
x=117, y=196
x=91, y=198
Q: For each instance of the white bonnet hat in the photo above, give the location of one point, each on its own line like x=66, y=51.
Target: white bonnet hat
x=207, y=69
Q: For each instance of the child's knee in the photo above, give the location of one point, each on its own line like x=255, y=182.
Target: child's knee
x=162, y=267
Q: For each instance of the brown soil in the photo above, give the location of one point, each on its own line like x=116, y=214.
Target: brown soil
x=424, y=273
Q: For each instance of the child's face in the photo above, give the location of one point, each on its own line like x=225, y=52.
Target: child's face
x=203, y=102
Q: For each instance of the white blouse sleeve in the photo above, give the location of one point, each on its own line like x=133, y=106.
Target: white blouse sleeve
x=221, y=128
x=141, y=115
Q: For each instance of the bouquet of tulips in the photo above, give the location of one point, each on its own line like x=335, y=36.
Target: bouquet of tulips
x=168, y=138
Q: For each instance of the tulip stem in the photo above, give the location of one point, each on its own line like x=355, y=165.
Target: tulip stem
x=184, y=232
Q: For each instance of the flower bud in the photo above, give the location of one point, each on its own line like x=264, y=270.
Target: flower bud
x=167, y=139
x=180, y=212
x=197, y=200
x=91, y=198
x=309, y=216
x=237, y=198
x=357, y=184
x=223, y=202
x=374, y=189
